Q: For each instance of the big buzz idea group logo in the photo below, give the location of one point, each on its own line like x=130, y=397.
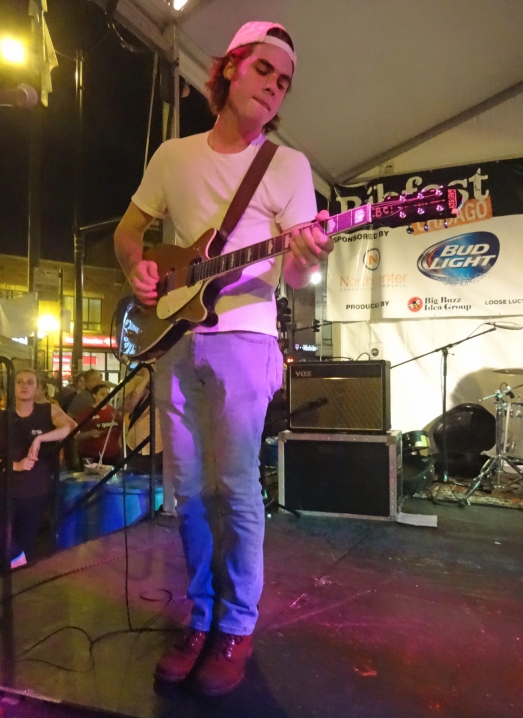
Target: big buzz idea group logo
x=415, y=304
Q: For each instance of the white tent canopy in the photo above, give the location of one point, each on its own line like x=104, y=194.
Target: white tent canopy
x=382, y=87
x=375, y=78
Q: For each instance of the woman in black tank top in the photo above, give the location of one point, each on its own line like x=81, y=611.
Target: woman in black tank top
x=36, y=430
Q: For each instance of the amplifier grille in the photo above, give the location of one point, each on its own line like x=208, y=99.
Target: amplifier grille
x=340, y=403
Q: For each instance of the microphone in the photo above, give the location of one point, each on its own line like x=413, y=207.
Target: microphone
x=24, y=96
x=505, y=325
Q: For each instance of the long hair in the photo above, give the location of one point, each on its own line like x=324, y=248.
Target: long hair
x=218, y=86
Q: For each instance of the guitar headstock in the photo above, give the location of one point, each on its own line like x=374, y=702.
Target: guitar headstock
x=435, y=203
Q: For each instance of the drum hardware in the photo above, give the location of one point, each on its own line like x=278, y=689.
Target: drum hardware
x=470, y=429
x=445, y=353
x=507, y=444
x=416, y=442
x=418, y=465
x=516, y=371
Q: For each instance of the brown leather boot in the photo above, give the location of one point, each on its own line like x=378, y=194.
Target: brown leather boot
x=223, y=668
x=176, y=663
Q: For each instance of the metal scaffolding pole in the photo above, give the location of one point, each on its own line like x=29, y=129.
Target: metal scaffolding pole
x=76, y=362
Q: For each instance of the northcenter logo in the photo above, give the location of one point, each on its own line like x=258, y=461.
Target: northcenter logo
x=371, y=259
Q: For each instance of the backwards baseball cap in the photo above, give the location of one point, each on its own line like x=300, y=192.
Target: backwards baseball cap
x=253, y=32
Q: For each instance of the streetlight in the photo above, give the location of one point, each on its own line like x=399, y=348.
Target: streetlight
x=12, y=51
x=47, y=324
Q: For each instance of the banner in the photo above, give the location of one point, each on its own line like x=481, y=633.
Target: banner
x=472, y=268
x=18, y=316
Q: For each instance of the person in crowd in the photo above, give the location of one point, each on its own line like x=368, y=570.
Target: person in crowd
x=42, y=396
x=100, y=438
x=44, y=391
x=137, y=416
x=52, y=391
x=68, y=393
x=214, y=384
x=83, y=399
x=37, y=429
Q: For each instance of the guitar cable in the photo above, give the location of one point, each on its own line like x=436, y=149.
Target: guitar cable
x=146, y=596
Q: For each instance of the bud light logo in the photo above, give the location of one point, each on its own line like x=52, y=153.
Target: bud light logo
x=462, y=259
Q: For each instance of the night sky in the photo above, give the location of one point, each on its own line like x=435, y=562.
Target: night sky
x=116, y=106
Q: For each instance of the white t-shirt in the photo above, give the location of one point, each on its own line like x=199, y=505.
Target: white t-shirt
x=194, y=185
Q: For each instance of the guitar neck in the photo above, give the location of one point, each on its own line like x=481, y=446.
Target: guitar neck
x=432, y=203
x=275, y=246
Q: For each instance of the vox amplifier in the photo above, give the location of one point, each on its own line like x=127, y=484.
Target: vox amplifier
x=351, y=396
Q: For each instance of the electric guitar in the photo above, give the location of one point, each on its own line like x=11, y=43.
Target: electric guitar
x=191, y=278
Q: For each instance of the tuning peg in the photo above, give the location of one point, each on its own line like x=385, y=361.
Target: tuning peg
x=421, y=210
x=426, y=227
x=410, y=230
x=403, y=215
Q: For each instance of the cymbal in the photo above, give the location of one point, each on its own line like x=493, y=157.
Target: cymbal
x=514, y=370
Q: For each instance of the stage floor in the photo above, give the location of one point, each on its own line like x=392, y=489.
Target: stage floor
x=358, y=618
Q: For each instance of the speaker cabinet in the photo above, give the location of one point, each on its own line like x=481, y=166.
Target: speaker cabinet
x=349, y=475
x=339, y=396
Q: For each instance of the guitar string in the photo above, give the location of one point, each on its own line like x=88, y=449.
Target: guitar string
x=211, y=267
x=227, y=262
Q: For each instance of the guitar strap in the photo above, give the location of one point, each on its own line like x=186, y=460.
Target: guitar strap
x=239, y=204
x=246, y=190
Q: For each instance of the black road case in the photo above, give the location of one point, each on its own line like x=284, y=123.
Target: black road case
x=351, y=475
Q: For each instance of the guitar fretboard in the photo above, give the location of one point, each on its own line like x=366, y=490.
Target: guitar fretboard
x=276, y=245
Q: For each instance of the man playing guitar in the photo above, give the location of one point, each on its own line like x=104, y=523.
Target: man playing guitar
x=213, y=386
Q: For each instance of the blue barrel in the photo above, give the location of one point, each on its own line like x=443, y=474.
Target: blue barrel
x=269, y=455
x=84, y=524
x=135, y=487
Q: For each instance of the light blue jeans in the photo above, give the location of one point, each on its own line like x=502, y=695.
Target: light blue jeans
x=212, y=392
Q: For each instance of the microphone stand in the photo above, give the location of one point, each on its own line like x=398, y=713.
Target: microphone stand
x=445, y=352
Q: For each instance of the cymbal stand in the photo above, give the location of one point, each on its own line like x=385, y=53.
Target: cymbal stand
x=494, y=465
x=445, y=352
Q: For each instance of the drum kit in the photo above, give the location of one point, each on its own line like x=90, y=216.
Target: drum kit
x=509, y=435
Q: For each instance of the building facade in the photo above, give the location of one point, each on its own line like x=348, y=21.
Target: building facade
x=103, y=287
